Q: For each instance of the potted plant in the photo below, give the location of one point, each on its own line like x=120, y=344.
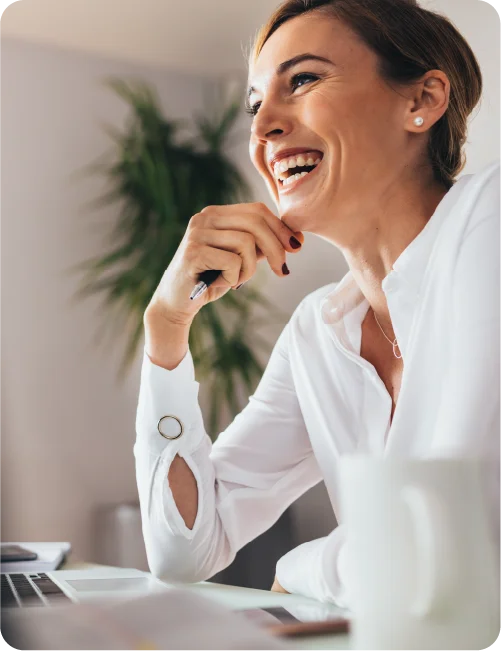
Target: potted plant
x=158, y=182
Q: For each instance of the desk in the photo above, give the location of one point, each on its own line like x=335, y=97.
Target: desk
x=234, y=598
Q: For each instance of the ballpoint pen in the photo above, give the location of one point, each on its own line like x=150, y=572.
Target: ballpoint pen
x=205, y=280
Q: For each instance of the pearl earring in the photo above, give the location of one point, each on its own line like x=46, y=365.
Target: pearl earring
x=419, y=121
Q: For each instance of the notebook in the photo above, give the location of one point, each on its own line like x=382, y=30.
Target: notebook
x=50, y=557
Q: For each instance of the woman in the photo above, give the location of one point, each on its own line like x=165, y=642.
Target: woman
x=359, y=113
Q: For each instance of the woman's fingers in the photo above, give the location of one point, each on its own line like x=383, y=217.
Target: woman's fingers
x=203, y=257
x=287, y=237
x=231, y=239
x=272, y=238
x=276, y=587
x=236, y=242
x=291, y=241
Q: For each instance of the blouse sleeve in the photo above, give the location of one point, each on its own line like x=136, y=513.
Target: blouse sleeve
x=317, y=569
x=258, y=466
x=469, y=420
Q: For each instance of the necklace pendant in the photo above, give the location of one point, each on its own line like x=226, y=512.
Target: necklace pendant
x=395, y=348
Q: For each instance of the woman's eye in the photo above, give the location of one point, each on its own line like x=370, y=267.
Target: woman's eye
x=296, y=79
x=295, y=83
x=252, y=110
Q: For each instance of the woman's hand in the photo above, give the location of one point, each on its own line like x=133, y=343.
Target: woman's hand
x=276, y=587
x=231, y=238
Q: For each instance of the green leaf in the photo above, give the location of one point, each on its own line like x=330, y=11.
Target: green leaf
x=157, y=181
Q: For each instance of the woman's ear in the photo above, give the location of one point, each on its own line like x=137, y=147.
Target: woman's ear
x=429, y=101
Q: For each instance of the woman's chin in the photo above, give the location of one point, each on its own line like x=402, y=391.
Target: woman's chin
x=296, y=220
x=294, y=223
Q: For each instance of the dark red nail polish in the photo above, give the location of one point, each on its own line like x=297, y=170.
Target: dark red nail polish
x=285, y=270
x=295, y=243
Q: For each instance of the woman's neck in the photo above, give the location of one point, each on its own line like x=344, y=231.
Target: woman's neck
x=387, y=233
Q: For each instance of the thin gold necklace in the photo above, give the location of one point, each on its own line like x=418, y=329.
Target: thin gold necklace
x=394, y=344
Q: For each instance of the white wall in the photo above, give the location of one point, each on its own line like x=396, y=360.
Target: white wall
x=193, y=35
x=480, y=24
x=67, y=427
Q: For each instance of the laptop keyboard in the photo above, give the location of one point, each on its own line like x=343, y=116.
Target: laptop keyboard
x=25, y=590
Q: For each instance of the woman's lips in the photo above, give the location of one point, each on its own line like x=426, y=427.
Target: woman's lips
x=293, y=153
x=291, y=187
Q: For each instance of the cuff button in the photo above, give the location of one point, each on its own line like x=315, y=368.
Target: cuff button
x=170, y=427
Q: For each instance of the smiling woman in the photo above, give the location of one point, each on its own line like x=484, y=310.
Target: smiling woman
x=354, y=94
x=359, y=116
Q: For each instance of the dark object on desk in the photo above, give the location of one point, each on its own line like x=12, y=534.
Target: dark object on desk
x=280, y=621
x=48, y=556
x=333, y=627
x=14, y=553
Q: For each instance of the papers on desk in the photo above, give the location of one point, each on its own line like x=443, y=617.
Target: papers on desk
x=176, y=619
x=50, y=556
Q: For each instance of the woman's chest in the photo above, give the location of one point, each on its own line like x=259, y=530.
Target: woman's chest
x=378, y=351
x=345, y=402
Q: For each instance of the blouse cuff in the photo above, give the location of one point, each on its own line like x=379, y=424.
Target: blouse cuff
x=167, y=406
x=311, y=569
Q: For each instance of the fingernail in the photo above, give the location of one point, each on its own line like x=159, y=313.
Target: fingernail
x=285, y=269
x=295, y=243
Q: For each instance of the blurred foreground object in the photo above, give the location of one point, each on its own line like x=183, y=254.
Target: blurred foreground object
x=421, y=561
x=174, y=620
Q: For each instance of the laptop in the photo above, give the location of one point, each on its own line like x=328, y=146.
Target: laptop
x=46, y=589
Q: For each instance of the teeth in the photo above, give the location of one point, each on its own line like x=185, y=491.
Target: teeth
x=295, y=161
x=295, y=177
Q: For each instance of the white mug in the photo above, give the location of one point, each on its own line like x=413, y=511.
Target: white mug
x=421, y=564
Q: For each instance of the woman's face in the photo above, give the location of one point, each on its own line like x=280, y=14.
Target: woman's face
x=337, y=110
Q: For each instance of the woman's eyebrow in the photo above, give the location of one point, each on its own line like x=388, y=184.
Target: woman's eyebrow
x=283, y=67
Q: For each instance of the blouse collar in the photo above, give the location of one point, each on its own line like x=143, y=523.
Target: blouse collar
x=407, y=270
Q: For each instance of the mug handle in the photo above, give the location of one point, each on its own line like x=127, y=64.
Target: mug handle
x=435, y=552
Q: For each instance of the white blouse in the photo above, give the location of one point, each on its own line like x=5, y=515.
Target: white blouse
x=318, y=399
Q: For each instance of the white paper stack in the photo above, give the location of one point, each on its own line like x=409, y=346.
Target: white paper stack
x=50, y=557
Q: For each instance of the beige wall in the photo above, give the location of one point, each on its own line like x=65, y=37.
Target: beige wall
x=67, y=427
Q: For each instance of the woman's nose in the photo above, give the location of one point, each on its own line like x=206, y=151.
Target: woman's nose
x=269, y=122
